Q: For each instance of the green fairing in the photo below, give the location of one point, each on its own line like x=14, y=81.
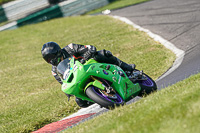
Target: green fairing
x=95, y=83
x=77, y=80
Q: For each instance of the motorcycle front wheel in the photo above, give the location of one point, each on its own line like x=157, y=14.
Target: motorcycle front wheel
x=148, y=86
x=102, y=99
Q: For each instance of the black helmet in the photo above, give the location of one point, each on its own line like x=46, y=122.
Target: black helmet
x=51, y=52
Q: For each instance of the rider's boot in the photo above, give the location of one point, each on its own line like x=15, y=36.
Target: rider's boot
x=83, y=103
x=128, y=68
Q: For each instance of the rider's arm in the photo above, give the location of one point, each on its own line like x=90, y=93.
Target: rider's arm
x=55, y=74
x=77, y=50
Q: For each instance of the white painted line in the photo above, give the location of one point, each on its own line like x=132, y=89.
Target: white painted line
x=95, y=108
x=12, y=3
x=178, y=52
x=8, y=26
x=66, y=2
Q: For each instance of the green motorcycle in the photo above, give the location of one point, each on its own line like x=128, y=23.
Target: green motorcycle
x=101, y=83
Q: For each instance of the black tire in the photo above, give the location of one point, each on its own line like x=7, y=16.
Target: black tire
x=94, y=94
x=145, y=88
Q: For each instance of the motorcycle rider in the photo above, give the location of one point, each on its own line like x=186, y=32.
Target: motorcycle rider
x=53, y=54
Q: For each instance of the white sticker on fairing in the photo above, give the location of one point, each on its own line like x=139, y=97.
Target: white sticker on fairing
x=66, y=73
x=64, y=85
x=75, y=67
x=119, y=80
x=118, y=68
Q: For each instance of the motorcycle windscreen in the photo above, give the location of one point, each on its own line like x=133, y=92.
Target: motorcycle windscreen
x=63, y=68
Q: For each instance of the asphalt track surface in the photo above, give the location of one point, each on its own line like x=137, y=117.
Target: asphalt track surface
x=177, y=21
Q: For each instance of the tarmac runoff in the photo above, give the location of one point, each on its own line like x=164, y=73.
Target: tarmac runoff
x=178, y=52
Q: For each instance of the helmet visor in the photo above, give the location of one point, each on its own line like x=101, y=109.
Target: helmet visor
x=53, y=59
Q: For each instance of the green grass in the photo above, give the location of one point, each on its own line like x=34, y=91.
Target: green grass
x=31, y=97
x=175, y=109
x=117, y=4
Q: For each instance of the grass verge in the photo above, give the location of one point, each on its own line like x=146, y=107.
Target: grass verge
x=175, y=109
x=116, y=4
x=31, y=97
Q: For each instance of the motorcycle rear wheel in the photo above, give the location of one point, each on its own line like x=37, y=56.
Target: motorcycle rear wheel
x=97, y=96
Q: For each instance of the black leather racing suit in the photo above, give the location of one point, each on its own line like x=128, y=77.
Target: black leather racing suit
x=79, y=51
